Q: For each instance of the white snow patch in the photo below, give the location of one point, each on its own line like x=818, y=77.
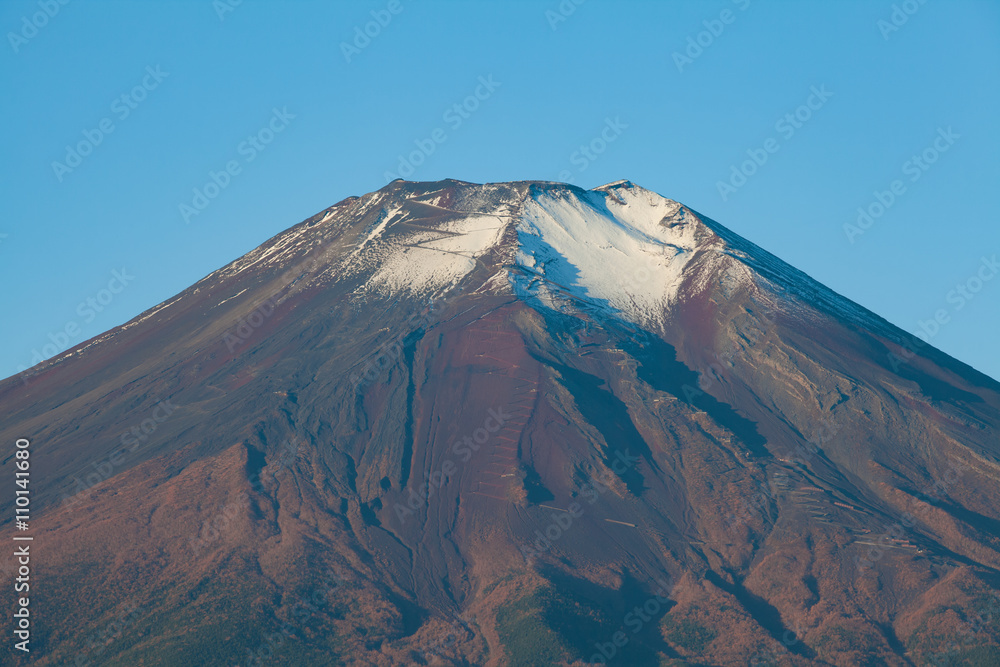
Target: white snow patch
x=378, y=228
x=233, y=296
x=428, y=261
x=605, y=247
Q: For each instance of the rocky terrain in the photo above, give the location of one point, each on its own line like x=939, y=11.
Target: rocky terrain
x=509, y=424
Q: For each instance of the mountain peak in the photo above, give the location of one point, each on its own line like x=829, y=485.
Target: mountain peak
x=613, y=392
x=619, y=247
x=625, y=183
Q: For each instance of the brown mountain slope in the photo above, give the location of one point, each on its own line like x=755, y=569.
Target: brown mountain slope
x=520, y=424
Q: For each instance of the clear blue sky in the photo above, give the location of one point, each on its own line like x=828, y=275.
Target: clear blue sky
x=208, y=79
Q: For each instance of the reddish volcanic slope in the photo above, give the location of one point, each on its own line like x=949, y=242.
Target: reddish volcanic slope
x=509, y=424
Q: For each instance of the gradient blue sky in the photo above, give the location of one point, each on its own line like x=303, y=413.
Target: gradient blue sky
x=559, y=82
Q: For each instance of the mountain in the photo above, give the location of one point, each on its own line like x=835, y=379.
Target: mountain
x=508, y=424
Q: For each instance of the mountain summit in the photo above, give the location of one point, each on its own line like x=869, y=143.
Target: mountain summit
x=511, y=424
